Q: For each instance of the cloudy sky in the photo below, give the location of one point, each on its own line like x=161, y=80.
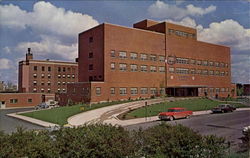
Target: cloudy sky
x=51, y=28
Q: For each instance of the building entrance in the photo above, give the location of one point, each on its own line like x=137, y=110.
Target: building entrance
x=182, y=92
x=2, y=105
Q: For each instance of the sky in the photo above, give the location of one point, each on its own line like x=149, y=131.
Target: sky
x=51, y=28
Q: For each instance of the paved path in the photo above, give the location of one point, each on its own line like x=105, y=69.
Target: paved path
x=109, y=114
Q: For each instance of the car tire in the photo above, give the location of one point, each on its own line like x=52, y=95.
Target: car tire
x=171, y=118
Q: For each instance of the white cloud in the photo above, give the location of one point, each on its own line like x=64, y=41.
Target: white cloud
x=5, y=64
x=240, y=68
x=46, y=19
x=228, y=32
x=48, y=47
x=6, y=50
x=163, y=10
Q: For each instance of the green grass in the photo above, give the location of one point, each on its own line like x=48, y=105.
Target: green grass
x=190, y=104
x=61, y=114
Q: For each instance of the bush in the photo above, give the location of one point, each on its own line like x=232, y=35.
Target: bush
x=112, y=142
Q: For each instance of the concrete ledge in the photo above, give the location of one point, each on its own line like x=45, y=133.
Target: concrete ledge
x=32, y=120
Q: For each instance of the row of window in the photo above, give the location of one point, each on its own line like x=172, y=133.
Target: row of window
x=134, y=67
x=133, y=90
x=42, y=90
x=59, y=69
x=197, y=71
x=181, y=33
x=134, y=56
x=59, y=76
x=198, y=62
x=49, y=83
x=14, y=101
x=213, y=90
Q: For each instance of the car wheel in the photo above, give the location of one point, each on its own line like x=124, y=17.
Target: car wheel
x=187, y=117
x=171, y=118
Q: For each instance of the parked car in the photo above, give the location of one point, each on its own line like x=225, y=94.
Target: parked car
x=223, y=108
x=42, y=106
x=246, y=130
x=175, y=113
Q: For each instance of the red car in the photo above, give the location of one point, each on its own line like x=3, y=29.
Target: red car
x=175, y=113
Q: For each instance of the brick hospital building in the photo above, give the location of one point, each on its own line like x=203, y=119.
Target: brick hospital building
x=150, y=59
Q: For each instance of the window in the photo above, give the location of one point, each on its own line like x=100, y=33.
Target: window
x=34, y=89
x=222, y=89
x=144, y=56
x=58, y=83
x=211, y=90
x=43, y=68
x=198, y=71
x=34, y=82
x=153, y=57
x=49, y=76
x=112, y=66
x=42, y=90
x=123, y=67
x=133, y=91
x=222, y=73
x=68, y=75
x=170, y=31
x=64, y=69
x=217, y=64
x=123, y=91
x=49, y=68
x=49, y=90
x=161, y=68
x=161, y=58
x=90, y=39
x=122, y=55
x=133, y=67
x=29, y=100
x=112, y=53
x=222, y=64
x=144, y=68
x=192, y=61
x=153, y=91
x=48, y=83
x=198, y=62
x=59, y=76
x=13, y=101
x=63, y=75
x=112, y=90
x=217, y=90
x=98, y=90
x=181, y=71
x=182, y=60
x=226, y=73
x=91, y=67
x=59, y=69
x=42, y=83
x=73, y=76
x=68, y=69
x=63, y=83
x=162, y=91
x=211, y=63
x=217, y=73
x=192, y=71
x=204, y=72
x=204, y=63
x=42, y=75
x=35, y=68
x=211, y=72
x=171, y=69
x=90, y=54
x=58, y=90
x=144, y=90
x=152, y=68
x=35, y=75
x=133, y=55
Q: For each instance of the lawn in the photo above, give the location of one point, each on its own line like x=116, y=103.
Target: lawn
x=61, y=114
x=190, y=104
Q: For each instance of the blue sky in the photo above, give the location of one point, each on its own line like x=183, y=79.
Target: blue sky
x=51, y=28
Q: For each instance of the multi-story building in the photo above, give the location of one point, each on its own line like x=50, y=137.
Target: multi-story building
x=152, y=58
x=45, y=76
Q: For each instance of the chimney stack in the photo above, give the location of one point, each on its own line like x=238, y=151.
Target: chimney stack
x=29, y=55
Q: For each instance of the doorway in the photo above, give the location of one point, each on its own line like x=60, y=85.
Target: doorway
x=2, y=105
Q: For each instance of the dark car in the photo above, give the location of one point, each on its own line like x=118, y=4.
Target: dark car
x=42, y=106
x=223, y=108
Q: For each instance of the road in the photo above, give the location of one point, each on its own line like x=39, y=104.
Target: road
x=9, y=124
x=227, y=125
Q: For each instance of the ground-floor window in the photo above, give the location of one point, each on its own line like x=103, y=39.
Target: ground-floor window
x=13, y=101
x=123, y=91
x=144, y=90
x=112, y=90
x=29, y=100
x=133, y=91
x=153, y=91
x=98, y=90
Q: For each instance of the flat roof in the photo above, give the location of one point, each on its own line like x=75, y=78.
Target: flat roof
x=54, y=62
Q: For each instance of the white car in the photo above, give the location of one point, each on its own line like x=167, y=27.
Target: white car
x=245, y=129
